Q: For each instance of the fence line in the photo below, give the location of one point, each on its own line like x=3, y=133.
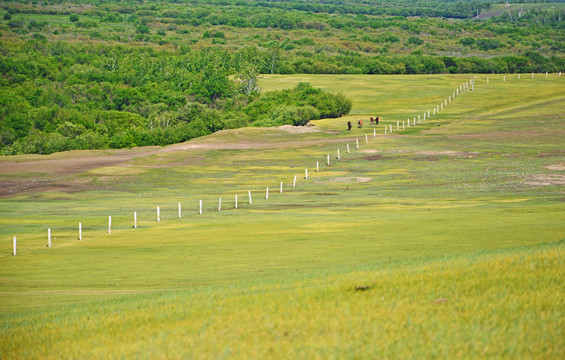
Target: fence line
x=436, y=111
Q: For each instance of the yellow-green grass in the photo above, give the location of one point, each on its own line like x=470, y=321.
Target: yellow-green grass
x=467, y=206
x=497, y=304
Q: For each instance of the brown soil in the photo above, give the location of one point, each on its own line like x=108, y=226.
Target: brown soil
x=545, y=180
x=504, y=134
x=60, y=166
x=556, y=167
x=349, y=179
x=14, y=187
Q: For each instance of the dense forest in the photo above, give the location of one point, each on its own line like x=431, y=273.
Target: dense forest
x=113, y=74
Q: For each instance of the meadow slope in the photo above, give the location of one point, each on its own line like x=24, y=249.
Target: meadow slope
x=443, y=239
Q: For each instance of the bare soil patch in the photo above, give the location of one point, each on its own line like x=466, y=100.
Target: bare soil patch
x=504, y=134
x=299, y=129
x=451, y=153
x=13, y=187
x=556, y=167
x=546, y=180
x=351, y=179
x=378, y=157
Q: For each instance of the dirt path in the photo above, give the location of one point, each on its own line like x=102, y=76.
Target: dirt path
x=40, y=173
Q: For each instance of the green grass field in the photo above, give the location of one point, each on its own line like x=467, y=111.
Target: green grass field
x=441, y=240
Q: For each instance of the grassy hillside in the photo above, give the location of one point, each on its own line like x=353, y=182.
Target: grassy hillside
x=445, y=239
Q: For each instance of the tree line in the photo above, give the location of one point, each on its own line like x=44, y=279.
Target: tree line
x=58, y=97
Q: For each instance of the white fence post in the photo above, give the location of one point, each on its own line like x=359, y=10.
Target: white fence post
x=328, y=159
x=357, y=143
x=15, y=245
x=180, y=214
x=374, y=133
x=306, y=174
x=135, y=219
x=294, y=182
x=250, y=199
x=366, y=139
x=109, y=224
x=158, y=214
x=338, y=155
x=80, y=231
x=281, y=187
x=200, y=209
x=236, y=201
x=348, y=148
x=267, y=193
x=220, y=205
x=49, y=237
x=317, y=166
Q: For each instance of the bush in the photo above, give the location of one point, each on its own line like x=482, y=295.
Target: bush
x=488, y=44
x=142, y=29
x=415, y=41
x=467, y=41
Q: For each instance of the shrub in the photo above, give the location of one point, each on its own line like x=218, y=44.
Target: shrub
x=415, y=41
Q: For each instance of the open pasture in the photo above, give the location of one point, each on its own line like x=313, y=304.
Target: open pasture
x=443, y=239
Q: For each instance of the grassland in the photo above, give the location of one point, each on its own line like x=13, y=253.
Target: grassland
x=442, y=240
